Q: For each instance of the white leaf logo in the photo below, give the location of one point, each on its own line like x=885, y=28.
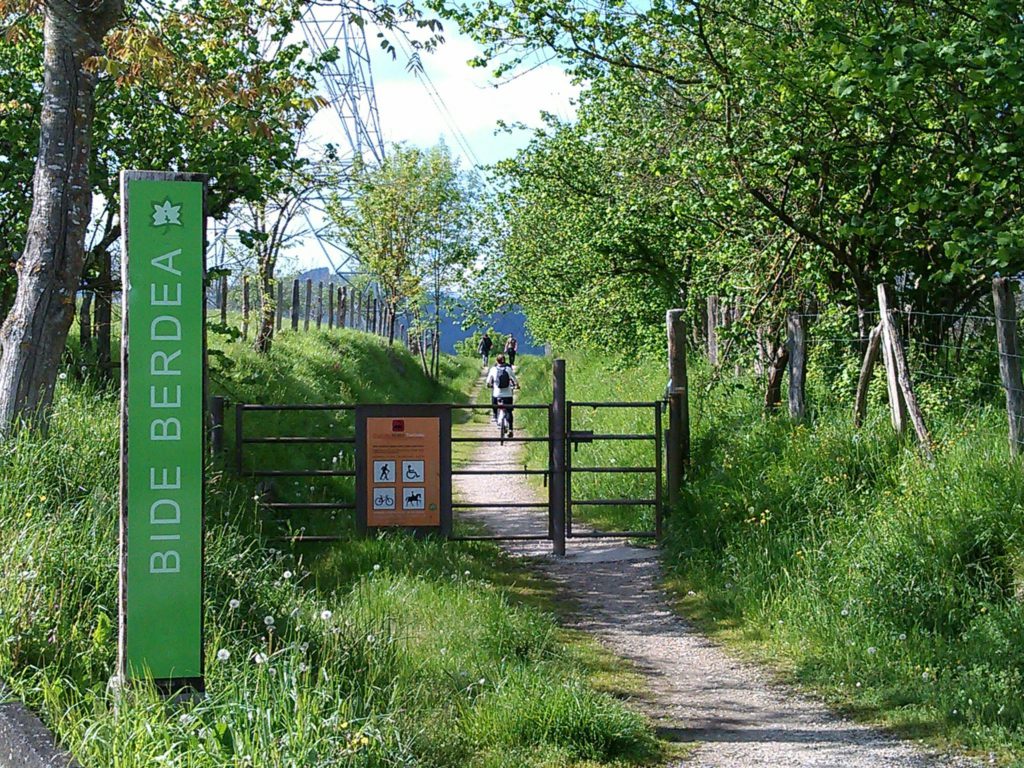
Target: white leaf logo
x=166, y=214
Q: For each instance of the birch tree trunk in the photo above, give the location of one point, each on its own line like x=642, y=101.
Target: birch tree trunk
x=32, y=337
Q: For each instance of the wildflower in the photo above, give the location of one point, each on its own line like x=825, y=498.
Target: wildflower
x=903, y=636
x=302, y=666
x=334, y=459
x=376, y=566
x=872, y=651
x=272, y=672
x=444, y=651
x=268, y=620
x=42, y=498
x=303, y=647
x=256, y=497
x=260, y=658
x=62, y=376
x=691, y=593
x=924, y=676
x=233, y=604
x=287, y=574
x=728, y=585
x=370, y=638
x=466, y=573
x=364, y=741
x=223, y=654
x=481, y=681
x=858, y=685
x=326, y=615
x=844, y=612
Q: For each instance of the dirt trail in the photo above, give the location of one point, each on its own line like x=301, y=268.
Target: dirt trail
x=699, y=692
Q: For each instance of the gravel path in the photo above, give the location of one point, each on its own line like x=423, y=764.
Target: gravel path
x=699, y=693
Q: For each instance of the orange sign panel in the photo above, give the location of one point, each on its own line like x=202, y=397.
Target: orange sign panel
x=403, y=471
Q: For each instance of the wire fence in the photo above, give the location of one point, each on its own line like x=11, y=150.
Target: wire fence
x=942, y=362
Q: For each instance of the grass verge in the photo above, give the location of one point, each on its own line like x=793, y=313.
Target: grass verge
x=381, y=652
x=889, y=584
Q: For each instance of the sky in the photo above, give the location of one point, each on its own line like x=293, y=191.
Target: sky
x=474, y=102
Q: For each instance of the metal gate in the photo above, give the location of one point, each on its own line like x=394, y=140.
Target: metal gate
x=567, y=460
x=579, y=437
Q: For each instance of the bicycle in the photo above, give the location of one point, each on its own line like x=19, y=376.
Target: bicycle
x=504, y=428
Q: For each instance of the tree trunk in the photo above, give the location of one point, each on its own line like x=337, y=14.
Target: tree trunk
x=50, y=268
x=268, y=307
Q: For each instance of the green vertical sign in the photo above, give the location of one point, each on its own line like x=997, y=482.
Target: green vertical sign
x=162, y=418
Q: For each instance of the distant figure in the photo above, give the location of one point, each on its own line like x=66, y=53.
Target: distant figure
x=485, y=349
x=511, y=348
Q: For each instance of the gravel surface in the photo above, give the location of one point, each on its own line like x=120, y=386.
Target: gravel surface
x=700, y=693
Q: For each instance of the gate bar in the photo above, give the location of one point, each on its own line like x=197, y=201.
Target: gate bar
x=638, y=470
x=500, y=471
x=300, y=407
x=498, y=439
x=615, y=502
x=498, y=505
x=300, y=440
x=588, y=404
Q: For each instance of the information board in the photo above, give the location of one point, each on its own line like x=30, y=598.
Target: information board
x=404, y=467
x=162, y=417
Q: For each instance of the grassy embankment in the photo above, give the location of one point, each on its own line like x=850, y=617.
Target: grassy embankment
x=891, y=584
x=388, y=652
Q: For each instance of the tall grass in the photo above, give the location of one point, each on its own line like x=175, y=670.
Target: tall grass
x=379, y=652
x=892, y=584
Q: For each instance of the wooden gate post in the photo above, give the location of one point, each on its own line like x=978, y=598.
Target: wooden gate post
x=678, y=438
x=556, y=434
x=1009, y=360
x=330, y=305
x=796, y=340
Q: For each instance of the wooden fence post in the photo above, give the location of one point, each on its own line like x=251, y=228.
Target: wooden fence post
x=891, y=336
x=344, y=306
x=85, y=321
x=796, y=343
x=713, y=330
x=330, y=305
x=897, y=405
x=295, y=305
x=309, y=303
x=280, y=303
x=341, y=307
x=223, y=301
x=678, y=446
x=860, y=404
x=1009, y=360
x=245, y=307
x=319, y=303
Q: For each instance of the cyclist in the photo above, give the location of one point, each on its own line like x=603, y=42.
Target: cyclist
x=503, y=383
x=485, y=349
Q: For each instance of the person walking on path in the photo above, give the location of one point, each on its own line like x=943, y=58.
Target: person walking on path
x=511, y=348
x=503, y=384
x=485, y=349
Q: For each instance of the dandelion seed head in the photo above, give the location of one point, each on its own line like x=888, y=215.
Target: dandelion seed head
x=223, y=654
